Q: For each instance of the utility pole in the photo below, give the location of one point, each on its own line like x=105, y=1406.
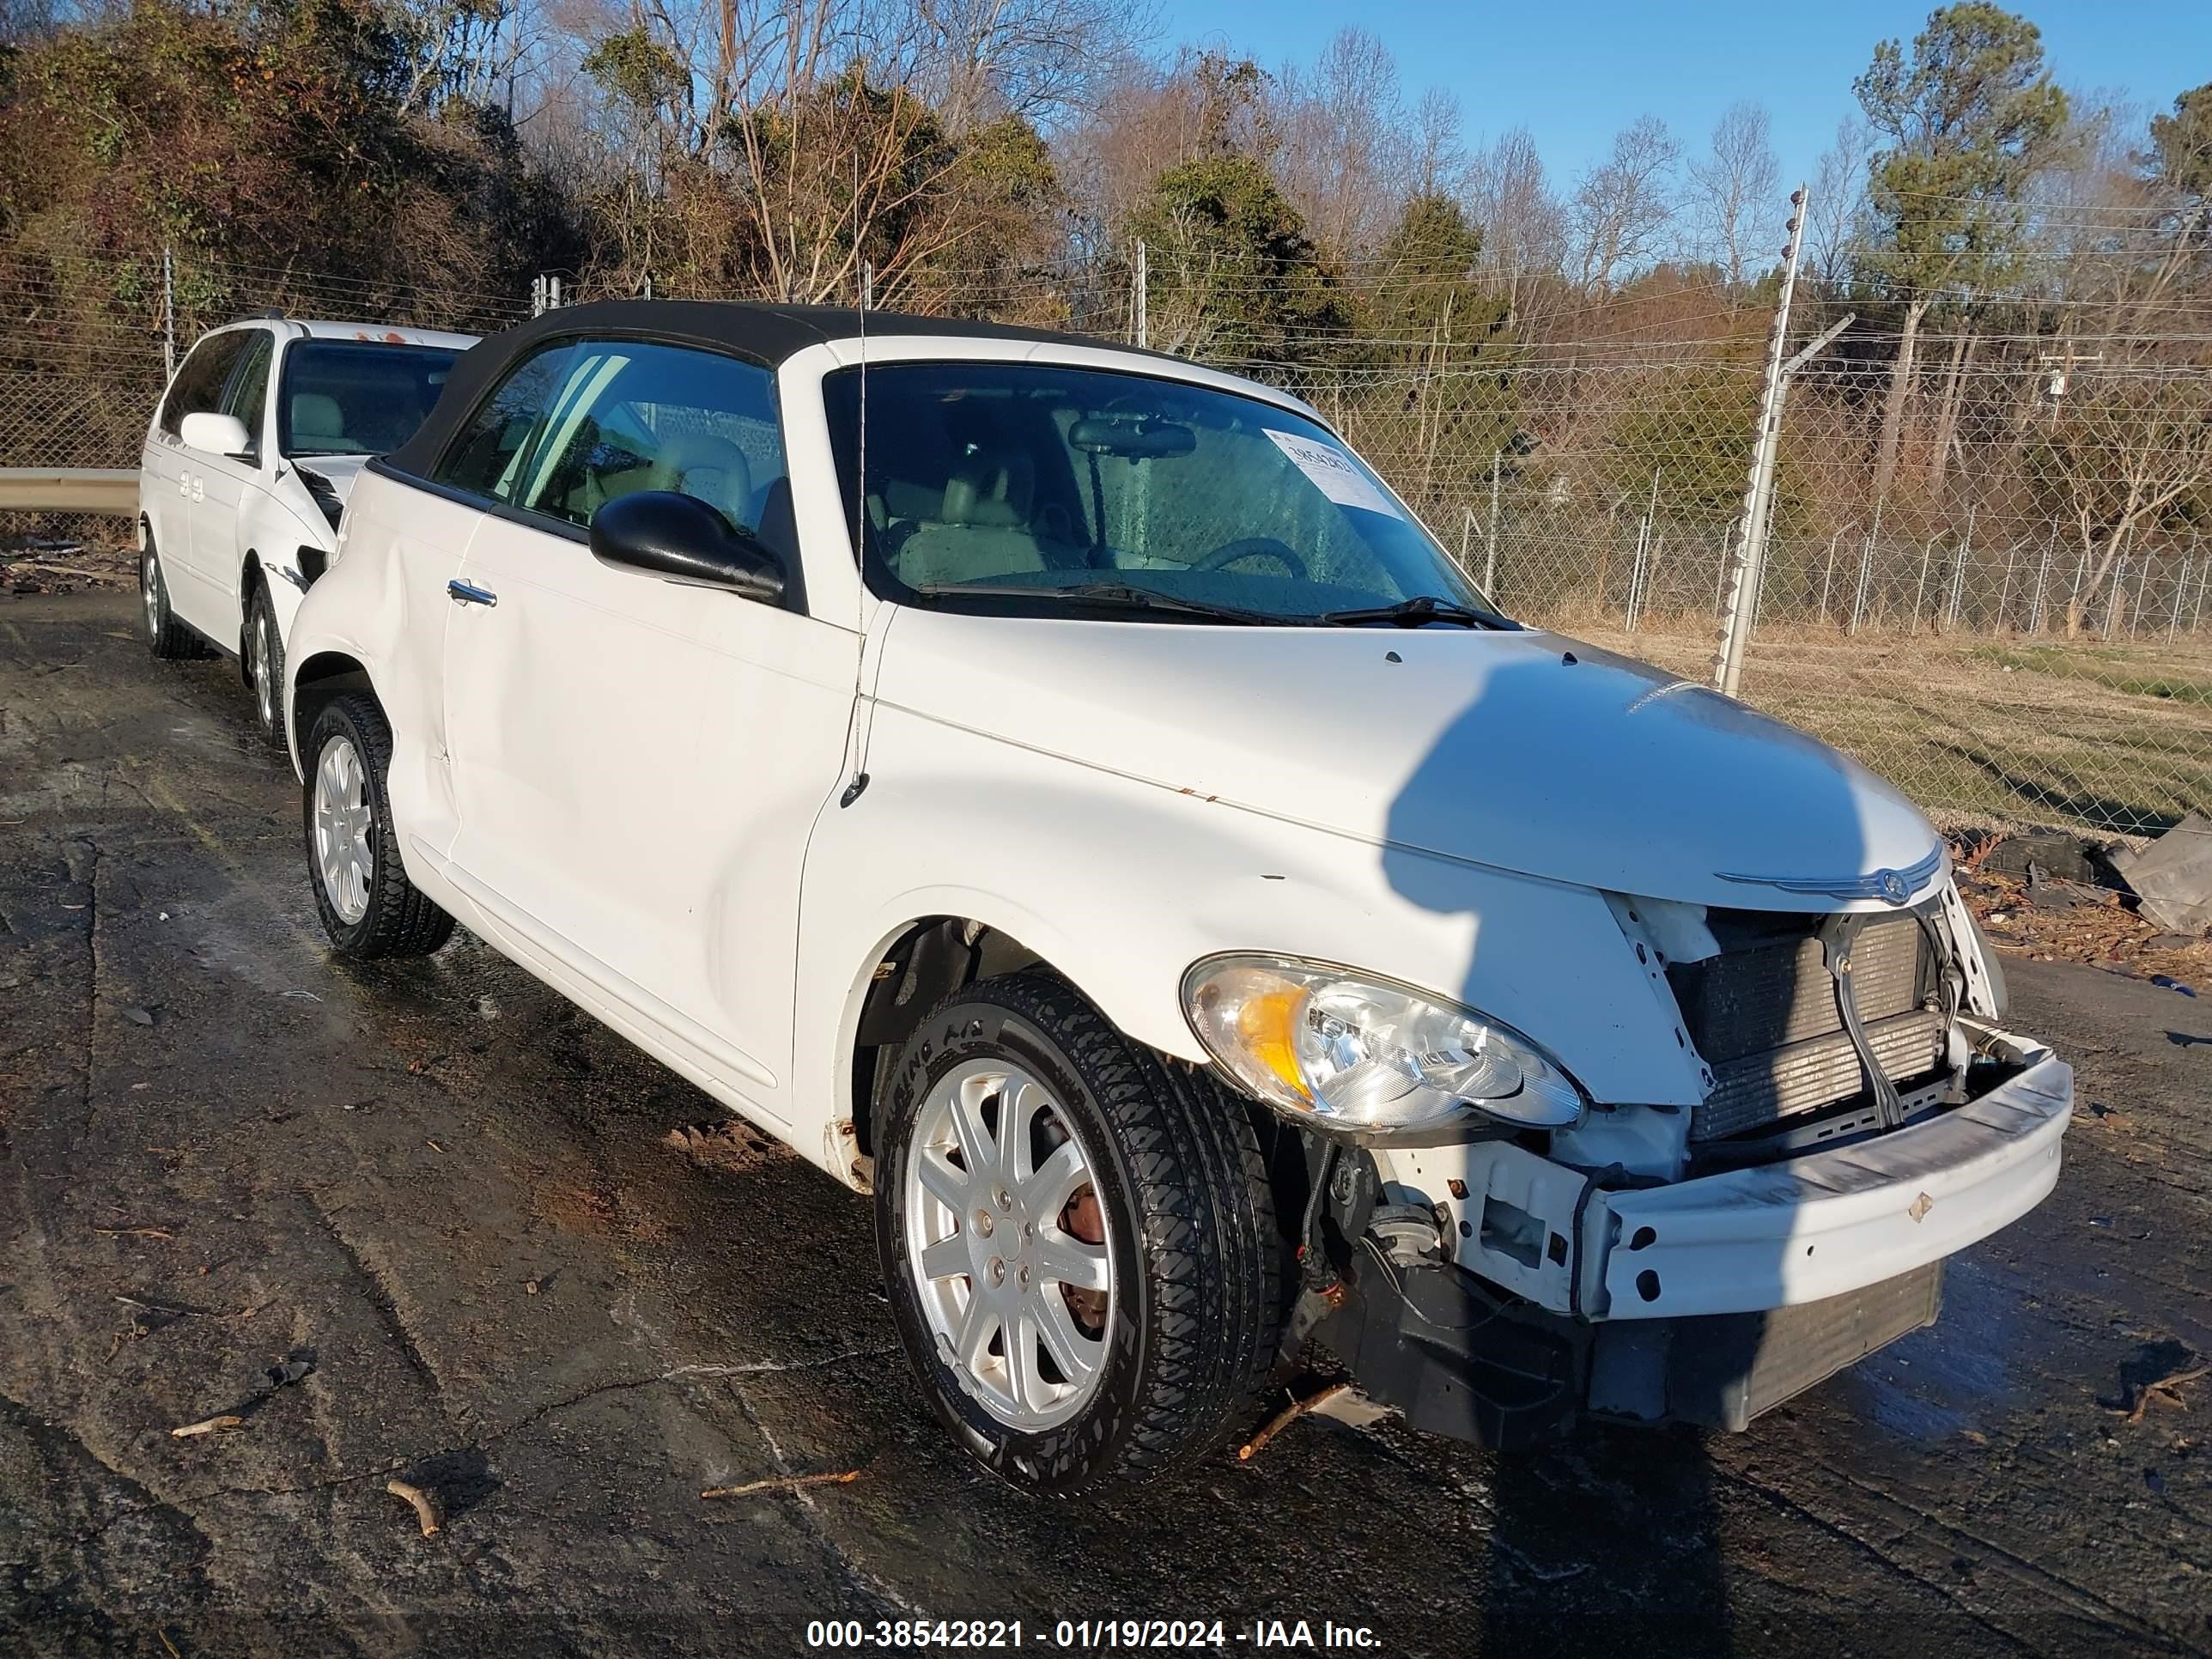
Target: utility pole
x=1759, y=493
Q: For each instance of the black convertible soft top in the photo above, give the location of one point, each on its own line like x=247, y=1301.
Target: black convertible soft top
x=765, y=334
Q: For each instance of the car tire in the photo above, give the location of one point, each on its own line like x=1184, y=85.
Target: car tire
x=369, y=907
x=1186, y=1327
x=264, y=664
x=169, y=640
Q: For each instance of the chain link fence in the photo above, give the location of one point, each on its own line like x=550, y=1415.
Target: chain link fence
x=1992, y=592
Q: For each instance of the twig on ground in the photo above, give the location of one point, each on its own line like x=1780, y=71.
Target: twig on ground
x=210, y=1425
x=1288, y=1415
x=426, y=1510
x=784, y=1483
x=134, y=1232
x=2167, y=1390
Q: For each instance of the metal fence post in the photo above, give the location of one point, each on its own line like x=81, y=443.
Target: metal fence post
x=168, y=315
x=1751, y=542
x=1920, y=592
x=1866, y=574
x=2143, y=586
x=1139, y=322
x=2116, y=597
x=2203, y=582
x=2180, y=593
x=2042, y=576
x=1959, y=574
x=1490, y=553
x=1828, y=577
x=2004, y=590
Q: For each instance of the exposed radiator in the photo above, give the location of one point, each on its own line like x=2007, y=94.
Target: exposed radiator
x=1763, y=1013
x=1728, y=1368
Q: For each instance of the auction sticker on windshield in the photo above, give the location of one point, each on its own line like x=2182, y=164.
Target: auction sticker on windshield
x=1336, y=473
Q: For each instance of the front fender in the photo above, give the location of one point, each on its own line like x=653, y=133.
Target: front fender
x=1122, y=884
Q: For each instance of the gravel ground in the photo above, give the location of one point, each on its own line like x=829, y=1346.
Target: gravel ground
x=428, y=1222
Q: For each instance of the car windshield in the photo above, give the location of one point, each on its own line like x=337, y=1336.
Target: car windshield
x=1050, y=491
x=357, y=397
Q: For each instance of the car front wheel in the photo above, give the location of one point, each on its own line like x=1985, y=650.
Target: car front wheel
x=265, y=665
x=369, y=907
x=1078, y=1236
x=168, y=638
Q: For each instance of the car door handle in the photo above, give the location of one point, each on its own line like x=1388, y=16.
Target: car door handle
x=461, y=593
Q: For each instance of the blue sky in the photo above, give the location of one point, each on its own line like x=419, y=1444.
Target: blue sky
x=1574, y=71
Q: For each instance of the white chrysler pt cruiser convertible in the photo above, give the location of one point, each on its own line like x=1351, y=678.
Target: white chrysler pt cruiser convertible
x=1064, y=793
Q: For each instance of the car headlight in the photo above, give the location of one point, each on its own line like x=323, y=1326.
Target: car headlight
x=1354, y=1053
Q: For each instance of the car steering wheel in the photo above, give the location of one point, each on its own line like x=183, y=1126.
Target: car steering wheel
x=1254, y=547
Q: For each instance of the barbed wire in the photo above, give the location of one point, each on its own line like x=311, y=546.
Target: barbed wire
x=1961, y=596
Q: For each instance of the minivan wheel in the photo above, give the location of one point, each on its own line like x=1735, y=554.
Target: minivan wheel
x=369, y=907
x=168, y=639
x=265, y=665
x=1078, y=1236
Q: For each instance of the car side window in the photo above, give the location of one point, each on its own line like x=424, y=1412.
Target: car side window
x=247, y=395
x=199, y=387
x=628, y=415
x=482, y=460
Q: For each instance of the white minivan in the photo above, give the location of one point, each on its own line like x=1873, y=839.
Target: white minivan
x=246, y=464
x=1063, y=791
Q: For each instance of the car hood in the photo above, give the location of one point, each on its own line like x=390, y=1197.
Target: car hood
x=341, y=471
x=1521, y=751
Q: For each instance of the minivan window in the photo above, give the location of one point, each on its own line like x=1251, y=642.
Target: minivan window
x=584, y=421
x=1050, y=488
x=357, y=397
x=198, y=386
x=247, y=396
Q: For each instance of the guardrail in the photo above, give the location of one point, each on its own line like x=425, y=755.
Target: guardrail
x=69, y=489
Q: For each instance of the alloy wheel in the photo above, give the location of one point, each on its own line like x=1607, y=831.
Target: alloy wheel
x=1007, y=1241
x=264, y=679
x=345, y=851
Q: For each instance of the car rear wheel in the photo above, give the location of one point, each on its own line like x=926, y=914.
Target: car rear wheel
x=169, y=639
x=369, y=907
x=1079, y=1239
x=265, y=665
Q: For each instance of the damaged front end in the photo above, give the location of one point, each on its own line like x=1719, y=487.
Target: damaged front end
x=1864, y=1117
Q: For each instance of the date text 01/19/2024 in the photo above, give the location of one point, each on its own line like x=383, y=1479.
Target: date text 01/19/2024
x=1088, y=1635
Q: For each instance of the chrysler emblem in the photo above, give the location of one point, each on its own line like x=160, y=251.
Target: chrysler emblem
x=1893, y=887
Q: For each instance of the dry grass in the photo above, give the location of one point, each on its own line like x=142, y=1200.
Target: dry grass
x=2110, y=737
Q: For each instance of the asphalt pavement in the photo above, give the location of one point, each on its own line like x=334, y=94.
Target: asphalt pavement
x=428, y=1222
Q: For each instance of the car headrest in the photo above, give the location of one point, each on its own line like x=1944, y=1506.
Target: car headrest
x=990, y=486
x=316, y=415
x=714, y=469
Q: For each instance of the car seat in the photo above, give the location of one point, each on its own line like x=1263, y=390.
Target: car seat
x=318, y=422
x=982, y=528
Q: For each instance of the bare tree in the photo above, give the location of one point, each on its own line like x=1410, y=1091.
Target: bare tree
x=1839, y=200
x=1438, y=158
x=2131, y=445
x=1040, y=59
x=1343, y=158
x=1735, y=190
x=1622, y=206
x=1523, y=226
x=1148, y=118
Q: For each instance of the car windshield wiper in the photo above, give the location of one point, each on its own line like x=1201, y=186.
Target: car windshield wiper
x=1412, y=613
x=1117, y=596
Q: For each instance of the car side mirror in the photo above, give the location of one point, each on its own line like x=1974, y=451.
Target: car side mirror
x=681, y=538
x=217, y=435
